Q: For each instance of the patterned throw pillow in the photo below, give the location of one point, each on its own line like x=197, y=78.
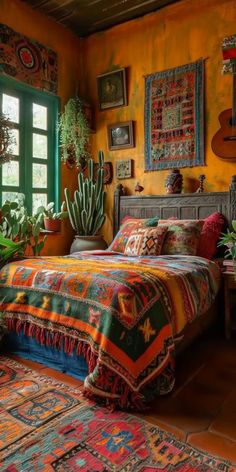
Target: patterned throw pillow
x=119, y=242
x=145, y=242
x=212, y=228
x=182, y=236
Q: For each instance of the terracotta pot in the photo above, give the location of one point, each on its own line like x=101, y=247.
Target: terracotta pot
x=88, y=243
x=52, y=225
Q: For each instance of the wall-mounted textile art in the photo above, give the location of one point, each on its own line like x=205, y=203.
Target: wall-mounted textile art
x=174, y=125
x=124, y=169
x=27, y=60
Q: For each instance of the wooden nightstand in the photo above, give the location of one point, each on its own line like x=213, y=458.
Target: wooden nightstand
x=230, y=307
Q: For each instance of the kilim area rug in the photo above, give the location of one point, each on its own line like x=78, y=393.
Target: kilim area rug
x=49, y=426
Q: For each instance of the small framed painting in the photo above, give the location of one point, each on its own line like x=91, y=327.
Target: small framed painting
x=124, y=169
x=120, y=135
x=112, y=89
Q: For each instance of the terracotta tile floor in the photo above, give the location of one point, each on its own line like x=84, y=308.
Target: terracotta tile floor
x=202, y=408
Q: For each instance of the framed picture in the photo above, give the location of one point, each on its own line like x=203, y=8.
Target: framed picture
x=124, y=169
x=120, y=135
x=112, y=89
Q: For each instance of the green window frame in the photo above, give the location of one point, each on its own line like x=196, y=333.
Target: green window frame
x=29, y=165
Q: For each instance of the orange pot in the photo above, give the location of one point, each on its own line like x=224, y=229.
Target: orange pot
x=52, y=225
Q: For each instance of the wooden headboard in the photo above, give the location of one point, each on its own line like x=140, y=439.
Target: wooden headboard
x=182, y=206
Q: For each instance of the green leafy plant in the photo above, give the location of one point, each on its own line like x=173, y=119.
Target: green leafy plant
x=17, y=225
x=6, y=139
x=9, y=249
x=48, y=212
x=74, y=132
x=229, y=240
x=86, y=212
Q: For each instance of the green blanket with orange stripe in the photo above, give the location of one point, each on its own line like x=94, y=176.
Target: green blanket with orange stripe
x=120, y=312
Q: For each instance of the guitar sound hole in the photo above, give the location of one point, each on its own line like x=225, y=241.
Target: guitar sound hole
x=232, y=121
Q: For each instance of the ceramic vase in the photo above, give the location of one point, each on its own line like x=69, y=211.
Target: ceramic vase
x=88, y=243
x=174, y=181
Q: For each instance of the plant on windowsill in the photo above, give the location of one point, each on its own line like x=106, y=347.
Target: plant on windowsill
x=52, y=219
x=229, y=241
x=86, y=212
x=74, y=133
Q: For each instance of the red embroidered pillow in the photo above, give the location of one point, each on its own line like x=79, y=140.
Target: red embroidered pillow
x=119, y=242
x=145, y=242
x=212, y=228
x=182, y=236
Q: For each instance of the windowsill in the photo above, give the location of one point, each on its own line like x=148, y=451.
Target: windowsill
x=48, y=233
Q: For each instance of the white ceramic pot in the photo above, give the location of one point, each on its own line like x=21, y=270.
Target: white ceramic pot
x=88, y=243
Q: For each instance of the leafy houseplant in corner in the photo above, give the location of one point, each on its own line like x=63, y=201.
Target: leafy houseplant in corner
x=52, y=219
x=86, y=212
x=229, y=240
x=74, y=133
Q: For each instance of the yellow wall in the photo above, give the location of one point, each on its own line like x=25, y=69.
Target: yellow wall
x=173, y=36
x=25, y=20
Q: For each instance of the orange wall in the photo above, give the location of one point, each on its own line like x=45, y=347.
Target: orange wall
x=173, y=36
x=170, y=37
x=25, y=20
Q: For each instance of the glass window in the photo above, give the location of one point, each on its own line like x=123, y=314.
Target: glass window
x=40, y=146
x=34, y=169
x=10, y=107
x=39, y=116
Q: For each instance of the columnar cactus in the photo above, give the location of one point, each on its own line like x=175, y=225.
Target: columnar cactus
x=86, y=212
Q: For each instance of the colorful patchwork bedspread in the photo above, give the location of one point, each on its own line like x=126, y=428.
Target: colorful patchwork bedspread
x=120, y=312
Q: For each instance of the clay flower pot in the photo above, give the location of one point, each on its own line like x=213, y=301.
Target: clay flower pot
x=52, y=224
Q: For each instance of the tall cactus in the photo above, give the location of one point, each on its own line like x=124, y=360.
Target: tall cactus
x=86, y=212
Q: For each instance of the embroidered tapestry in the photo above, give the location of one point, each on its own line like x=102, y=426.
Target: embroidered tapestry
x=27, y=60
x=174, y=129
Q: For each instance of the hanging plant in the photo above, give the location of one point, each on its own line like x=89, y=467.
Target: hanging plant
x=6, y=139
x=74, y=132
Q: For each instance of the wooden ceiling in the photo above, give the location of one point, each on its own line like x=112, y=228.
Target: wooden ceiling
x=85, y=17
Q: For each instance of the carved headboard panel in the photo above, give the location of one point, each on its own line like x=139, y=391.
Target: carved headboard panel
x=181, y=206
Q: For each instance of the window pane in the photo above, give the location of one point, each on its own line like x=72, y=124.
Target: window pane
x=15, y=146
x=39, y=176
x=39, y=116
x=10, y=174
x=38, y=199
x=40, y=146
x=12, y=196
x=10, y=107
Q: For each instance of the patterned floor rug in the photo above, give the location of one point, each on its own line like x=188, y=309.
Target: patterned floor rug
x=47, y=426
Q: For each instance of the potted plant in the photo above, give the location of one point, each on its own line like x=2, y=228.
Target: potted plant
x=229, y=240
x=74, y=132
x=52, y=219
x=17, y=225
x=86, y=211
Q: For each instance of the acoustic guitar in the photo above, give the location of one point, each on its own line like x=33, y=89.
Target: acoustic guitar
x=224, y=142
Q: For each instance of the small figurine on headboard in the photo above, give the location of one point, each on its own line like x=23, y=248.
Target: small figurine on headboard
x=138, y=188
x=201, y=180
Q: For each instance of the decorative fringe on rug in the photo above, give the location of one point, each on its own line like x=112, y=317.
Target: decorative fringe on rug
x=118, y=394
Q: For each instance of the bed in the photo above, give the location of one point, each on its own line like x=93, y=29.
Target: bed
x=110, y=317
